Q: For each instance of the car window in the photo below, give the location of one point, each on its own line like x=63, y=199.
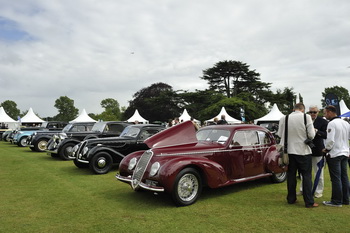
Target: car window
x=213, y=135
x=116, y=128
x=264, y=138
x=245, y=138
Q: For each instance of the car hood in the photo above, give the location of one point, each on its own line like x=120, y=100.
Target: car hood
x=181, y=134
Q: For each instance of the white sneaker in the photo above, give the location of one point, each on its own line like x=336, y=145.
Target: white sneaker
x=318, y=195
x=329, y=203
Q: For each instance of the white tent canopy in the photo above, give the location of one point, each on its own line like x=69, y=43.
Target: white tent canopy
x=83, y=117
x=228, y=118
x=343, y=107
x=274, y=115
x=30, y=117
x=4, y=118
x=186, y=117
x=137, y=117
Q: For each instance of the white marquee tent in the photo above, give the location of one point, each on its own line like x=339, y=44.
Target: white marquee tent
x=186, y=117
x=5, y=119
x=343, y=108
x=273, y=116
x=83, y=117
x=137, y=117
x=31, y=117
x=228, y=118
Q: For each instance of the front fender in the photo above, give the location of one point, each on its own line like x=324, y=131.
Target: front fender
x=117, y=156
x=212, y=173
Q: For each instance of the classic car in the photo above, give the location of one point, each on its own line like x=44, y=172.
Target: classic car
x=38, y=140
x=20, y=136
x=61, y=145
x=180, y=161
x=101, y=153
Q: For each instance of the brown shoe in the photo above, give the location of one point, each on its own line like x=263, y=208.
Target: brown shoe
x=312, y=206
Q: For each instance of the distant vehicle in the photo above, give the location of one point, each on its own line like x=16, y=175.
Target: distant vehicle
x=181, y=162
x=38, y=140
x=20, y=136
x=101, y=153
x=61, y=145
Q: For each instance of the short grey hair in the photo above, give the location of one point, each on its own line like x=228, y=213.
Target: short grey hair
x=313, y=106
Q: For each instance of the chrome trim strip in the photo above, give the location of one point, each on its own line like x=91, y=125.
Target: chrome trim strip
x=252, y=177
x=213, y=151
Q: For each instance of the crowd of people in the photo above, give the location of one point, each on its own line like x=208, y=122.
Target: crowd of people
x=310, y=139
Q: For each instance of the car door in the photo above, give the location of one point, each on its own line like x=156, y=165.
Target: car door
x=246, y=155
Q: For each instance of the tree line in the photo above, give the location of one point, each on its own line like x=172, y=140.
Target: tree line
x=231, y=84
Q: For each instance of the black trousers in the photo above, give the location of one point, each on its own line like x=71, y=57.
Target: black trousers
x=303, y=164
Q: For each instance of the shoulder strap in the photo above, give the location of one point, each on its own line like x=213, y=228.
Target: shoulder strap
x=307, y=135
x=286, y=134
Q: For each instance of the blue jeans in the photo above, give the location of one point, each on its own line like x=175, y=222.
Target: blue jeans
x=338, y=171
x=301, y=163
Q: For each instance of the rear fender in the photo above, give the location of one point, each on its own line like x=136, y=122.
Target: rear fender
x=271, y=161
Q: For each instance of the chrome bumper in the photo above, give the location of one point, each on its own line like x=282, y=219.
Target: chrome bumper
x=79, y=160
x=141, y=185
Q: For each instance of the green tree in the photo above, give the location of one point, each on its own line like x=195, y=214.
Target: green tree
x=233, y=78
x=11, y=109
x=158, y=102
x=341, y=92
x=66, y=109
x=112, y=110
x=197, y=102
x=285, y=100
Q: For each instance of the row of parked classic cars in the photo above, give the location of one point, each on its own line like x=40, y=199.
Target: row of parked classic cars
x=178, y=160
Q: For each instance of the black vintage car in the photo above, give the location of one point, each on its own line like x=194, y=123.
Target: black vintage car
x=100, y=154
x=38, y=140
x=61, y=145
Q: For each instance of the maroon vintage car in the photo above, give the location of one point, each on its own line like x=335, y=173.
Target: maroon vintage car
x=181, y=161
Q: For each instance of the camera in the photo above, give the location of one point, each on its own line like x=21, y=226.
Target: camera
x=310, y=143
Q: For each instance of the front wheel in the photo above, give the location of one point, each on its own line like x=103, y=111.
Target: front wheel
x=66, y=150
x=278, y=177
x=41, y=145
x=22, y=142
x=187, y=187
x=101, y=163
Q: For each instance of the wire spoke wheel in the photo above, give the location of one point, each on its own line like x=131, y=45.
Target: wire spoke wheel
x=187, y=187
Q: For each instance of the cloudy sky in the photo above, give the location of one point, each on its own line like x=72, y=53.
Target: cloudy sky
x=90, y=50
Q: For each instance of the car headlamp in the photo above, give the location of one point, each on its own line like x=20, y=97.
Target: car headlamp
x=154, y=169
x=132, y=163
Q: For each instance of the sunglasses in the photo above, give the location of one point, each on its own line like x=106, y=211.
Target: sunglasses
x=313, y=112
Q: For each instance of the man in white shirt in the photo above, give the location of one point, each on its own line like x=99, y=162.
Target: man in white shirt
x=299, y=153
x=337, y=149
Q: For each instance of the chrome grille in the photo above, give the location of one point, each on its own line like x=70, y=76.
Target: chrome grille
x=141, y=168
x=79, y=152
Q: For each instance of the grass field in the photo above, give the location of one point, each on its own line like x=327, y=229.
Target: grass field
x=42, y=194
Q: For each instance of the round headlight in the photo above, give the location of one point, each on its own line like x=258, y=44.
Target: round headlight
x=132, y=163
x=154, y=169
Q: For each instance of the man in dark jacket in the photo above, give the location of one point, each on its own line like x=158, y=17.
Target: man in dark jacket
x=320, y=125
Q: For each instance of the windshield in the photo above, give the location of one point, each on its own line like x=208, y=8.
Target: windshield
x=213, y=135
x=67, y=128
x=98, y=127
x=130, y=132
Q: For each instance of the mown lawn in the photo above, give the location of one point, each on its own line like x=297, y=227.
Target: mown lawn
x=42, y=194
